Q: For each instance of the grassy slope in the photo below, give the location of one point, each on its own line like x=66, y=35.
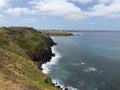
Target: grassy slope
x=17, y=71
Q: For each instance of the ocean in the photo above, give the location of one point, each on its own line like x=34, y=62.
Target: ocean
x=90, y=61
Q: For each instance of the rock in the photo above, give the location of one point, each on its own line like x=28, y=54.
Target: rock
x=66, y=88
x=58, y=86
x=48, y=81
x=43, y=54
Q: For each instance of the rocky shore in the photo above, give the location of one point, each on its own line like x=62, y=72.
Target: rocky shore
x=44, y=54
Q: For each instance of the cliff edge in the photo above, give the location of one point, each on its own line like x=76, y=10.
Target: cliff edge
x=19, y=48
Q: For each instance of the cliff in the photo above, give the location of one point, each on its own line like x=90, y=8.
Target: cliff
x=19, y=48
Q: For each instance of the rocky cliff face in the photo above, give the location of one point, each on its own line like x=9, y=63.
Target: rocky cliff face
x=44, y=54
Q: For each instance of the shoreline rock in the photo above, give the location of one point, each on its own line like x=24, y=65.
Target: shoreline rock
x=44, y=54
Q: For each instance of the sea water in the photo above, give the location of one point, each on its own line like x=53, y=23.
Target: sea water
x=90, y=61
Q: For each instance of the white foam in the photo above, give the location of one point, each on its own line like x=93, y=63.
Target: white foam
x=59, y=83
x=77, y=64
x=88, y=69
x=48, y=66
x=82, y=63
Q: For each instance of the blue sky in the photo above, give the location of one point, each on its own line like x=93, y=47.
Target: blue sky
x=61, y=14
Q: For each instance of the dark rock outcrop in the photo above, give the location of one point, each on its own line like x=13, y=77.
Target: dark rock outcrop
x=48, y=81
x=44, y=54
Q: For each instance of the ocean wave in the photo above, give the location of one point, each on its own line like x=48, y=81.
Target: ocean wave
x=88, y=69
x=77, y=64
x=48, y=66
x=62, y=86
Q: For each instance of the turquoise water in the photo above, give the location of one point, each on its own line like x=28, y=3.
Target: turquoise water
x=90, y=61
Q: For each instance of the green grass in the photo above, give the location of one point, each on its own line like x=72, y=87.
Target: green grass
x=24, y=71
x=3, y=42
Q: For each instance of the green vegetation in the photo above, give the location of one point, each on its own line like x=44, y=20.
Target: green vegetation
x=3, y=42
x=56, y=33
x=17, y=70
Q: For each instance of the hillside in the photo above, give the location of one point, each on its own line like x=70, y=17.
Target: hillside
x=19, y=48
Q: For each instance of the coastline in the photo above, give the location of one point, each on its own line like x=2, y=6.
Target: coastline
x=45, y=65
x=46, y=68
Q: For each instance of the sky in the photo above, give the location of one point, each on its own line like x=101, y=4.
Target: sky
x=61, y=14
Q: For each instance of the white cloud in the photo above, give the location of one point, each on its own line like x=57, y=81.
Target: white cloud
x=103, y=10
x=3, y=3
x=82, y=1
x=18, y=11
x=105, y=1
x=64, y=8
x=57, y=8
x=109, y=1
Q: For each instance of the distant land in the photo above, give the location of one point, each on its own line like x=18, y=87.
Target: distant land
x=93, y=30
x=56, y=32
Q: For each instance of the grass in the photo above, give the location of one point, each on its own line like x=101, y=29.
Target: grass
x=3, y=42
